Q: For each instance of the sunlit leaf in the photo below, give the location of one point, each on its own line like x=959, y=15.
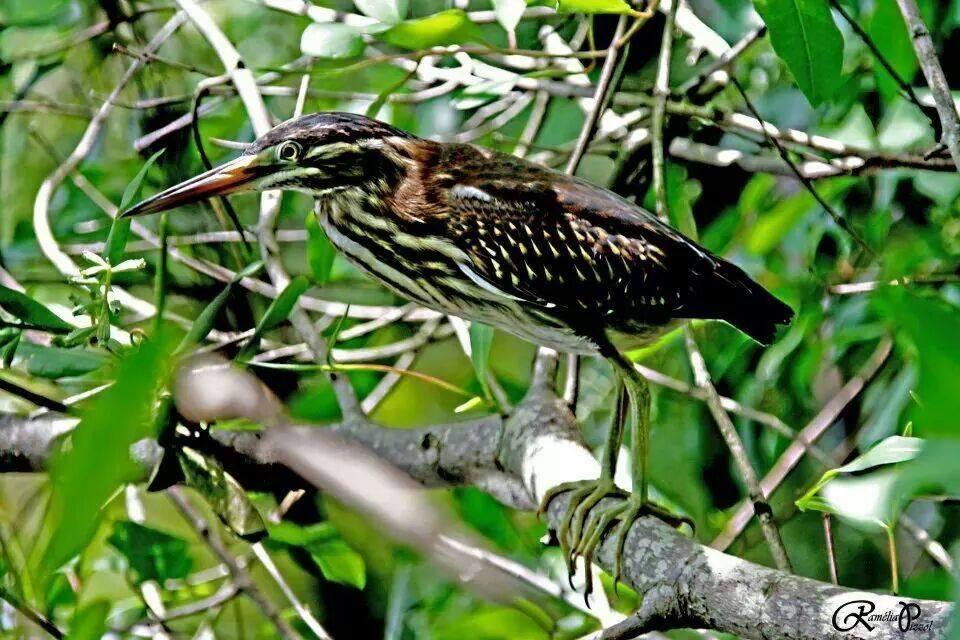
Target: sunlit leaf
x=386, y=11
x=339, y=563
x=151, y=554
x=452, y=26
x=593, y=6
x=805, y=36
x=332, y=41
x=509, y=12
x=866, y=499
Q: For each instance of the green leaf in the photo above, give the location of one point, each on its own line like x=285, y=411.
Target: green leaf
x=133, y=189
x=339, y=563
x=120, y=228
x=933, y=473
x=889, y=33
x=224, y=494
x=276, y=313
x=203, y=325
x=332, y=41
x=289, y=534
x=452, y=26
x=151, y=554
x=866, y=499
x=90, y=622
x=386, y=11
x=55, y=362
x=931, y=326
x=96, y=463
x=593, y=6
x=320, y=253
x=29, y=311
x=772, y=225
x=807, y=39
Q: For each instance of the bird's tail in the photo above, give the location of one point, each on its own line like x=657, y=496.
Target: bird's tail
x=735, y=298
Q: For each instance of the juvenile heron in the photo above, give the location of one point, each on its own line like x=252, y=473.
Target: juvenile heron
x=494, y=239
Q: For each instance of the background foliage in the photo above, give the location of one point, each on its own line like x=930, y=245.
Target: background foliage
x=90, y=555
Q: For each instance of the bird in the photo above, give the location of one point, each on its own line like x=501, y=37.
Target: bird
x=492, y=238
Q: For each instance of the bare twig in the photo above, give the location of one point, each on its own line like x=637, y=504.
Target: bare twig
x=238, y=573
x=747, y=473
x=807, y=436
x=661, y=89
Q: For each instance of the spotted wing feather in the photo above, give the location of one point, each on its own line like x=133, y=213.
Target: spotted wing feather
x=582, y=253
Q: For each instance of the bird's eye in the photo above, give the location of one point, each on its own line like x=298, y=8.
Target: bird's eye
x=289, y=151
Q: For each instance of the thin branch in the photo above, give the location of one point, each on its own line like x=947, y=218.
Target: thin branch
x=791, y=457
x=837, y=218
x=936, y=80
x=747, y=473
x=238, y=573
x=661, y=89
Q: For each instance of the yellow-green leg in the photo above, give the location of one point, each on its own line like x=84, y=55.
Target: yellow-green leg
x=583, y=527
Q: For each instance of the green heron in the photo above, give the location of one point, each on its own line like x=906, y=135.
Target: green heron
x=494, y=239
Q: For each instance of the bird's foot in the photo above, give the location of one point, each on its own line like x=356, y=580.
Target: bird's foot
x=587, y=520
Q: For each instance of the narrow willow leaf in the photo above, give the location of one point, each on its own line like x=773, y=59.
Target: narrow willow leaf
x=224, y=494
x=203, y=325
x=807, y=39
x=29, y=311
x=481, y=341
x=276, y=313
x=120, y=229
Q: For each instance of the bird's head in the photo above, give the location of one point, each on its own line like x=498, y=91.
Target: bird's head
x=317, y=154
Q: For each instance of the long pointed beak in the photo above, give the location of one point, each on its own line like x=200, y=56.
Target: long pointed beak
x=228, y=178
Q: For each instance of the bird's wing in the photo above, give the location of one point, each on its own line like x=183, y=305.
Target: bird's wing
x=569, y=246
x=559, y=243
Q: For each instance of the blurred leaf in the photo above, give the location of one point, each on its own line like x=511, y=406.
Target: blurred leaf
x=54, y=362
x=276, y=313
x=224, y=494
x=331, y=40
x=90, y=622
x=151, y=554
x=339, y=563
x=773, y=225
x=889, y=33
x=806, y=38
x=933, y=473
x=867, y=499
x=932, y=326
x=336, y=560
x=295, y=535
x=96, y=462
x=593, y=6
x=452, y=26
x=29, y=311
x=386, y=11
x=509, y=12
x=490, y=622
x=320, y=253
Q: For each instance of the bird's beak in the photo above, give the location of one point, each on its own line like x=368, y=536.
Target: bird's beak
x=228, y=178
